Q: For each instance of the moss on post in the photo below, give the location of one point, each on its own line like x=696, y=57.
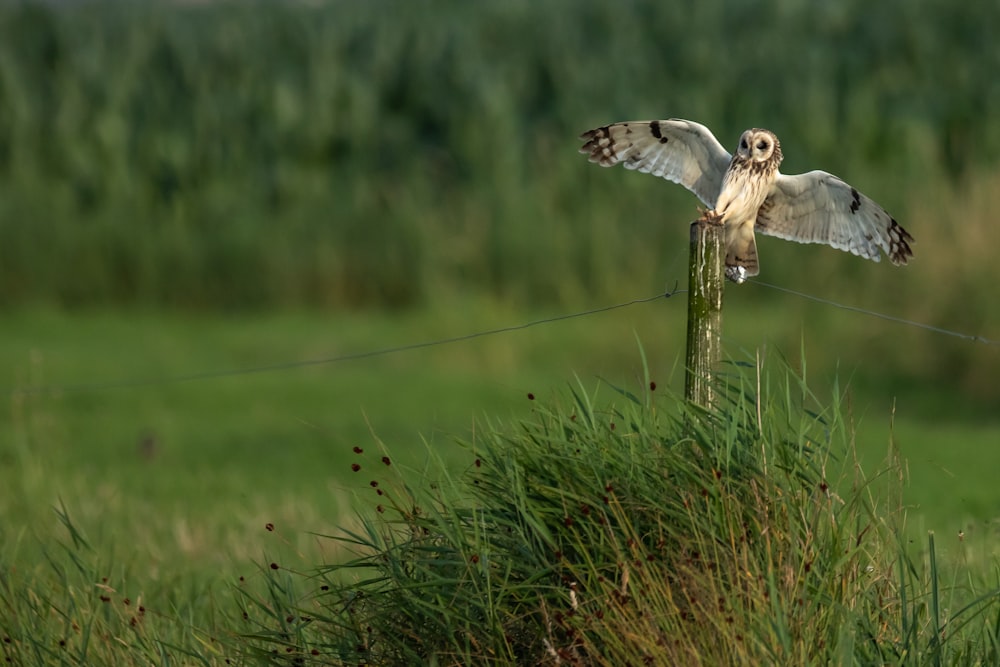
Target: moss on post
x=705, y=278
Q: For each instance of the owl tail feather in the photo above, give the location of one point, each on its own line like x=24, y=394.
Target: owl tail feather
x=741, y=253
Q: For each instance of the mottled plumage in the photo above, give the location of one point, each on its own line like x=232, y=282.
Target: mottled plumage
x=747, y=193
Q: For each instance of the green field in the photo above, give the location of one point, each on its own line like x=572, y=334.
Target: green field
x=198, y=202
x=173, y=482
x=278, y=443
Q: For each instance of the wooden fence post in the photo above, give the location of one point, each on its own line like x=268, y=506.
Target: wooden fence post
x=705, y=284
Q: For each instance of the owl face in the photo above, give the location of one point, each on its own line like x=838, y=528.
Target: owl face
x=757, y=145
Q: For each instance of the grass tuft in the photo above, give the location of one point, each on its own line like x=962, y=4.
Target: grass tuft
x=640, y=531
x=75, y=607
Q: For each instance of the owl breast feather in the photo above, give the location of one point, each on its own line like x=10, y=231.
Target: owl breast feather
x=743, y=192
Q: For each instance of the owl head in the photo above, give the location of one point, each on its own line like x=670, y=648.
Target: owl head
x=757, y=145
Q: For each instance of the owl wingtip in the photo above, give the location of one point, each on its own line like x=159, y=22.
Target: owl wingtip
x=900, y=258
x=899, y=247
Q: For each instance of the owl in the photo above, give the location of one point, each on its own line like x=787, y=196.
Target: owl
x=748, y=194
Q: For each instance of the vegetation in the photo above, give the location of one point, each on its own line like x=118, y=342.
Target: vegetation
x=193, y=188
x=250, y=155
x=642, y=532
x=625, y=531
x=382, y=155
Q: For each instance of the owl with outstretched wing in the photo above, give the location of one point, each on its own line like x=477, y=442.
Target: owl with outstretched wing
x=748, y=194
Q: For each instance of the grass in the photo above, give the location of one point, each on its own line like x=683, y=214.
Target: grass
x=81, y=604
x=173, y=524
x=635, y=532
x=186, y=189
x=164, y=442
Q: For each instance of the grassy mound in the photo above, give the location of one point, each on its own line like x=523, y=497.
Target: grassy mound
x=643, y=531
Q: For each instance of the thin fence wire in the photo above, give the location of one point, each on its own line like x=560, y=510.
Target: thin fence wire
x=288, y=365
x=891, y=318
x=282, y=366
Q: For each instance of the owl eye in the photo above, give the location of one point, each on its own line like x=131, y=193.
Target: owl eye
x=762, y=145
x=743, y=143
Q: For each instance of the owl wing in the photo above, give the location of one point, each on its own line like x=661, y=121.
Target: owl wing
x=678, y=150
x=818, y=207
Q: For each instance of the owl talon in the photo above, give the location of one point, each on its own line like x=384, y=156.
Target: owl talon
x=737, y=274
x=710, y=216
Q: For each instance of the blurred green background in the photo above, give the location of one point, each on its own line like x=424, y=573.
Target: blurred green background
x=188, y=188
